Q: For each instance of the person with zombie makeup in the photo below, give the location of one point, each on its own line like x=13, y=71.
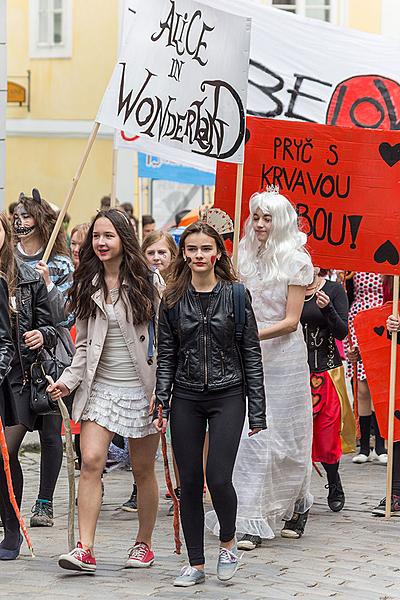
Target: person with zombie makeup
x=324, y=320
x=273, y=470
x=115, y=299
x=34, y=221
x=31, y=329
x=206, y=369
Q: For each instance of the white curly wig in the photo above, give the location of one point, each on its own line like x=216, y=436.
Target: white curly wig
x=284, y=241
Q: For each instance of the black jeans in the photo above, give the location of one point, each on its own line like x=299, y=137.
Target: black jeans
x=224, y=415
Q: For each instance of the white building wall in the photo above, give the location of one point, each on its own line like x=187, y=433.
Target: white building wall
x=3, y=98
x=390, y=17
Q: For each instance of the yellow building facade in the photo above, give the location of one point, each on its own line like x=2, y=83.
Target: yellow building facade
x=69, y=48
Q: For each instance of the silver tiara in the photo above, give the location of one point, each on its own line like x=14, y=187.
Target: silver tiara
x=272, y=189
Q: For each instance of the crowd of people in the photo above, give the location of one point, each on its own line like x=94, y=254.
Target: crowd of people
x=164, y=338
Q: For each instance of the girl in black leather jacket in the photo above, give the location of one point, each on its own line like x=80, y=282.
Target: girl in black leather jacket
x=207, y=369
x=31, y=328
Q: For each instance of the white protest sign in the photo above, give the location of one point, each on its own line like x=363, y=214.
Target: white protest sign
x=181, y=78
x=308, y=70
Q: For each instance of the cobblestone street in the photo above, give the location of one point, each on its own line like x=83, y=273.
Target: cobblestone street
x=350, y=555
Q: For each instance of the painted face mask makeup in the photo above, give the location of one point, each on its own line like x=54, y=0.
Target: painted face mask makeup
x=23, y=222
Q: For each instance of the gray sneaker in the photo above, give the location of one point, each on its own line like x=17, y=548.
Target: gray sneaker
x=189, y=576
x=228, y=562
x=42, y=514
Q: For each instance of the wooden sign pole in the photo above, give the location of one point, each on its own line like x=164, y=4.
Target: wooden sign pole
x=71, y=192
x=392, y=392
x=113, y=201
x=238, y=213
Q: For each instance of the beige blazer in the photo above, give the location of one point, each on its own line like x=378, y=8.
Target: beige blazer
x=90, y=338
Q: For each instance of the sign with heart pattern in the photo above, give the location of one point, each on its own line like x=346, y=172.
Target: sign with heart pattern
x=344, y=183
x=374, y=343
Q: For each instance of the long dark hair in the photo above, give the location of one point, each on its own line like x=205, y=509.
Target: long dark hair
x=139, y=294
x=8, y=267
x=45, y=219
x=181, y=274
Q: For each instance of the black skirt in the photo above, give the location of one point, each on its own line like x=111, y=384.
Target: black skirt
x=8, y=412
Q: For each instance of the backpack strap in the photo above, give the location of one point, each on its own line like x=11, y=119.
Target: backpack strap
x=239, y=304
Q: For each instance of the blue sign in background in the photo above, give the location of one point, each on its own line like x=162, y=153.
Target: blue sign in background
x=153, y=167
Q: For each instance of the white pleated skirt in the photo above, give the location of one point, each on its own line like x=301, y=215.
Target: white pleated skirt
x=122, y=410
x=272, y=473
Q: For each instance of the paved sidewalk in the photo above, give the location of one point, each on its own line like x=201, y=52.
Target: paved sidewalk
x=345, y=556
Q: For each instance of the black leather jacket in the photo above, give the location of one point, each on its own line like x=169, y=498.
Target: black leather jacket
x=6, y=346
x=200, y=352
x=33, y=312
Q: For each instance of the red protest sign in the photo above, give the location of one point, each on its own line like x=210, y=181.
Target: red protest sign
x=374, y=343
x=344, y=182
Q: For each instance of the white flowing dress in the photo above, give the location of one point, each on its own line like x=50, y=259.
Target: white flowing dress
x=273, y=468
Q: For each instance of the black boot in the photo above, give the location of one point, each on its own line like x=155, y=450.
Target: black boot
x=336, y=497
x=365, y=432
x=131, y=504
x=379, y=441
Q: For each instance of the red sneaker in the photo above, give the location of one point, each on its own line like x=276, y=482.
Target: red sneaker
x=78, y=560
x=139, y=556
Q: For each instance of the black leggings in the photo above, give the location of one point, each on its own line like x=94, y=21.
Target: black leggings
x=225, y=417
x=50, y=464
x=51, y=455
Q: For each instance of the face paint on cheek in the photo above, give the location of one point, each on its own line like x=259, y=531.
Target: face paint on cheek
x=213, y=260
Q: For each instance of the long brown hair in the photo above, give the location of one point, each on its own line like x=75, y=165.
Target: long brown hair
x=139, y=294
x=45, y=220
x=155, y=237
x=181, y=273
x=8, y=266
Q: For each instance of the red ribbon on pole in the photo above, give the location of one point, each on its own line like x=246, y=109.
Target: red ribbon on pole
x=7, y=471
x=178, y=543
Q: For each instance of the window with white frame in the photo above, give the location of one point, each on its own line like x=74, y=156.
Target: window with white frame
x=326, y=10
x=50, y=28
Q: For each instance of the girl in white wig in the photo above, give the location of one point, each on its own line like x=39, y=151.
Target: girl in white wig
x=273, y=470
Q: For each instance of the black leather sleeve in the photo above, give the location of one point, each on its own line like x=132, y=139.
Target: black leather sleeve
x=337, y=312
x=167, y=357
x=42, y=316
x=250, y=350
x=6, y=346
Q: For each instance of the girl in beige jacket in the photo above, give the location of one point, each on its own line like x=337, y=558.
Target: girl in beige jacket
x=115, y=299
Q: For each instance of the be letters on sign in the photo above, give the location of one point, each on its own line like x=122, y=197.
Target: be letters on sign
x=181, y=78
x=344, y=183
